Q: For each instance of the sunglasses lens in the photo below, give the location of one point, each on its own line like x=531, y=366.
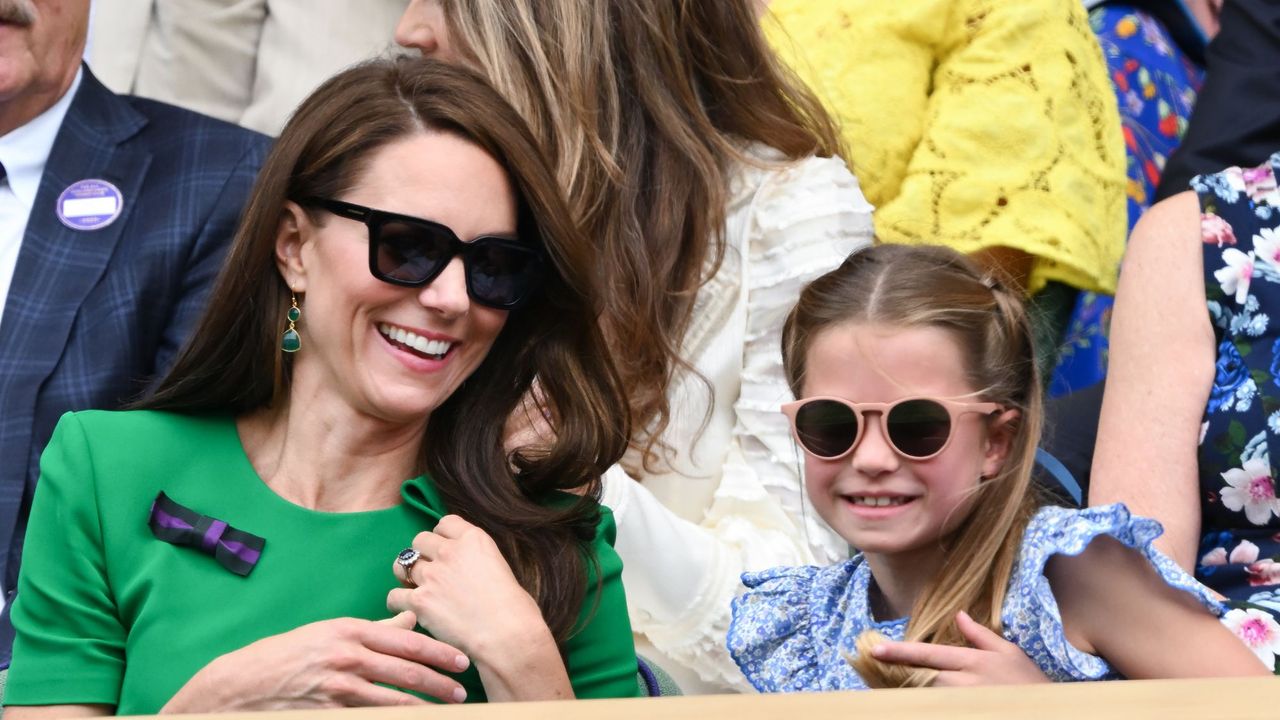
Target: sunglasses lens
x=918, y=428
x=499, y=273
x=410, y=253
x=826, y=428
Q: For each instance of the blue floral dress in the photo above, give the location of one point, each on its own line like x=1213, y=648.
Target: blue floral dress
x=1240, y=514
x=792, y=625
x=1155, y=83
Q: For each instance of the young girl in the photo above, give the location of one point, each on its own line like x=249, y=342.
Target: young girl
x=919, y=416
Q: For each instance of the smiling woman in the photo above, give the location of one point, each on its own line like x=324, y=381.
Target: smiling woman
x=408, y=241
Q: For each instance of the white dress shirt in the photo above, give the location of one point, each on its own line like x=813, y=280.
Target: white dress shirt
x=23, y=153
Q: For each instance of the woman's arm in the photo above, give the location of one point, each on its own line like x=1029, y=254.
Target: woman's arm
x=1159, y=378
x=1115, y=605
x=1020, y=161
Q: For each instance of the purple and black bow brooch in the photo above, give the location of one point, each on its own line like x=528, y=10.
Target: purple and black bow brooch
x=235, y=550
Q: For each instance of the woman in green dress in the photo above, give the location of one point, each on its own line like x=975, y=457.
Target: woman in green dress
x=323, y=472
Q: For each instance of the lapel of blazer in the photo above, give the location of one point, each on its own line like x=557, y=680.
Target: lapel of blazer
x=57, y=267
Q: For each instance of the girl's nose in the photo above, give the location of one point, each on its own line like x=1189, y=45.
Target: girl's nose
x=873, y=454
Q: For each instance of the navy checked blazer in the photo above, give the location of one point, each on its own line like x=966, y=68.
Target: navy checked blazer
x=93, y=316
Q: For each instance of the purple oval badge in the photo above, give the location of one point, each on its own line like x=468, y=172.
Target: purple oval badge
x=90, y=205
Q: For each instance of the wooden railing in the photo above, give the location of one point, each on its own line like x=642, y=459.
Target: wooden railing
x=1134, y=700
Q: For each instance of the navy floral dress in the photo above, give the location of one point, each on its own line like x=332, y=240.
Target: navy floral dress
x=1240, y=513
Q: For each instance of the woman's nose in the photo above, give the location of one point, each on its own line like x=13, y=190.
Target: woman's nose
x=447, y=293
x=412, y=33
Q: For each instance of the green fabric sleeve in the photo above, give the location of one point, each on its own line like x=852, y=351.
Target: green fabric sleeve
x=602, y=654
x=69, y=645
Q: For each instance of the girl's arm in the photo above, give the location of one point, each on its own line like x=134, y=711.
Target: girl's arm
x=1115, y=605
x=1159, y=378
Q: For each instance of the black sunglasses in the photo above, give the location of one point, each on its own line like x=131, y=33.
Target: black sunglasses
x=917, y=428
x=501, y=272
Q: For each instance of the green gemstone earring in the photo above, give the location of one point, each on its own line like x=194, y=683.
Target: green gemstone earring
x=291, y=341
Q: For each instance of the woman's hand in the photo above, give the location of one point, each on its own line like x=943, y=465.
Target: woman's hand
x=466, y=595
x=333, y=663
x=991, y=661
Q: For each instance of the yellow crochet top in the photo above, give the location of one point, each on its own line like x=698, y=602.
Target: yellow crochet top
x=973, y=123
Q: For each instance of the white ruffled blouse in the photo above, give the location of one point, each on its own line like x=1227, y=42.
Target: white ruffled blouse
x=729, y=499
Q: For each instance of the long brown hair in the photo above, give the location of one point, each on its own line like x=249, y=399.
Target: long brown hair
x=228, y=364
x=938, y=287
x=644, y=106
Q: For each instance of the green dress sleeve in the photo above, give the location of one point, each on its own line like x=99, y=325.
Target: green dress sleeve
x=69, y=643
x=601, y=656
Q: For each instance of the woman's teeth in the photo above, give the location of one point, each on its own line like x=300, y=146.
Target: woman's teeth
x=435, y=349
x=879, y=501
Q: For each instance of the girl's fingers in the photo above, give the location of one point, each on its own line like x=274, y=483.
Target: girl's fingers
x=979, y=635
x=926, y=655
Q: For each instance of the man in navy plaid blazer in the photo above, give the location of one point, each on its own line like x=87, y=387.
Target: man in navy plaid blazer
x=115, y=213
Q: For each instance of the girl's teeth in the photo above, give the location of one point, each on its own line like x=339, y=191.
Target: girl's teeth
x=878, y=501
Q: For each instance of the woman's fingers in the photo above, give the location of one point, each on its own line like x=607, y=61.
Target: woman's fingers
x=387, y=639
x=927, y=655
x=349, y=691
x=378, y=667
x=405, y=620
x=451, y=527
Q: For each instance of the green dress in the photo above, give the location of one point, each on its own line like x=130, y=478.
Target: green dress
x=108, y=613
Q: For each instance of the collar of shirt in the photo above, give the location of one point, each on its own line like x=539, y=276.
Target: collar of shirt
x=25, y=150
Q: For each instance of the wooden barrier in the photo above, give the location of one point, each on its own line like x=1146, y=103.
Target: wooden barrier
x=1134, y=700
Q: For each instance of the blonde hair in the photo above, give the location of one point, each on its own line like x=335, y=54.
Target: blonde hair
x=938, y=287
x=643, y=106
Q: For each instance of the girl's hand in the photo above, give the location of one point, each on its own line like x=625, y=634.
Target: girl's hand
x=991, y=661
x=466, y=595
x=333, y=663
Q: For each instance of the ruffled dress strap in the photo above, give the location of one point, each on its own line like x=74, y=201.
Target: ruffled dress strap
x=781, y=622
x=1031, y=616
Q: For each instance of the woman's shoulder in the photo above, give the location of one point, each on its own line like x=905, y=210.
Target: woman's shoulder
x=149, y=436
x=774, y=194
x=133, y=428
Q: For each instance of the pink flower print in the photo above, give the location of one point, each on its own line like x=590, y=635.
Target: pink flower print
x=1216, y=231
x=1245, y=553
x=1258, y=631
x=1266, y=246
x=1259, y=182
x=1251, y=489
x=1235, y=277
x=1216, y=556
x=1263, y=572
